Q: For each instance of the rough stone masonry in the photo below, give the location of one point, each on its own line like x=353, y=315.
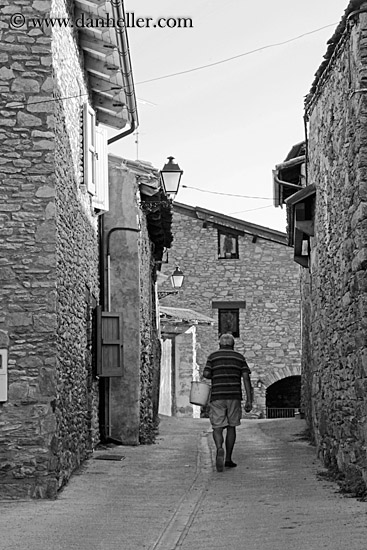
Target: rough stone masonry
x=48, y=257
x=264, y=278
x=335, y=289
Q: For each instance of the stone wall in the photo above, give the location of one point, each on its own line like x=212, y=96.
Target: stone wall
x=149, y=341
x=77, y=264
x=335, y=289
x=49, y=259
x=264, y=277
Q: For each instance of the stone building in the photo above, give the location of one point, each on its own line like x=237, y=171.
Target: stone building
x=327, y=226
x=134, y=235
x=57, y=86
x=243, y=276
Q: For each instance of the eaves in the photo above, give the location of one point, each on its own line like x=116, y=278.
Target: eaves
x=107, y=61
x=301, y=195
x=353, y=9
x=228, y=222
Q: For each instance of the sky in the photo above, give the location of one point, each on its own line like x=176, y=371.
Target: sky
x=227, y=125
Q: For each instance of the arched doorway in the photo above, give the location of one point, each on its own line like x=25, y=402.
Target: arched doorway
x=283, y=398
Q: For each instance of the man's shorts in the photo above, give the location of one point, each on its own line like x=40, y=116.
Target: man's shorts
x=225, y=412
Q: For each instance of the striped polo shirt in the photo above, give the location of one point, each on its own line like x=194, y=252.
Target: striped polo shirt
x=225, y=368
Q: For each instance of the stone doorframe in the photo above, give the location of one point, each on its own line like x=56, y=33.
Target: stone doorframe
x=280, y=374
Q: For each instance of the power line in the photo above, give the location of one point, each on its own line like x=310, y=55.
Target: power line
x=201, y=67
x=227, y=194
x=41, y=99
x=46, y=100
x=251, y=210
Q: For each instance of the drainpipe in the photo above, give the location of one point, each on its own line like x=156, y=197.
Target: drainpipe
x=127, y=76
x=305, y=121
x=106, y=381
x=118, y=12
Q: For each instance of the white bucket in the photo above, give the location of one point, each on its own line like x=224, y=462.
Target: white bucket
x=199, y=394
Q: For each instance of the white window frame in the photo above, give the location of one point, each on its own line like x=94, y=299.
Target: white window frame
x=90, y=153
x=100, y=200
x=95, y=160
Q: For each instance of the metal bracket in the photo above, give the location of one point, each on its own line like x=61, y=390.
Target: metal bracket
x=163, y=294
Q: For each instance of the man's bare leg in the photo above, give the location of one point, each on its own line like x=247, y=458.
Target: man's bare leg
x=230, y=441
x=218, y=440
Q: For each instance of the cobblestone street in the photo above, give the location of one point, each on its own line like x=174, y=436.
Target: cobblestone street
x=169, y=496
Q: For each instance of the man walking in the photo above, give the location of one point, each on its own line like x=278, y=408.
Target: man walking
x=226, y=368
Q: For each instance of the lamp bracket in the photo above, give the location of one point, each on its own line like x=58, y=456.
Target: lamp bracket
x=163, y=293
x=152, y=206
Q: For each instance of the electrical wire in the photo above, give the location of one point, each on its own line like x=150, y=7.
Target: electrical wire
x=201, y=67
x=49, y=99
x=251, y=210
x=193, y=69
x=227, y=194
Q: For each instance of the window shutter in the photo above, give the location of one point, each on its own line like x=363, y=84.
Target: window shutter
x=109, y=349
x=101, y=197
x=89, y=138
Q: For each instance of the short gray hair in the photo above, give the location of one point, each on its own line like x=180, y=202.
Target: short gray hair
x=226, y=340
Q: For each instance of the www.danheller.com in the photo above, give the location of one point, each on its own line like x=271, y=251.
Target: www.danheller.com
x=131, y=21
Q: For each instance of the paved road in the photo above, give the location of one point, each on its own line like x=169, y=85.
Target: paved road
x=168, y=497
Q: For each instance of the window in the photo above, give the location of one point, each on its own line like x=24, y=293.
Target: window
x=229, y=316
x=301, y=211
x=227, y=245
x=229, y=321
x=95, y=160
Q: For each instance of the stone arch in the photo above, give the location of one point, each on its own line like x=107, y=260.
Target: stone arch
x=279, y=374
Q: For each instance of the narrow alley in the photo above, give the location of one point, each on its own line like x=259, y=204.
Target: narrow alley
x=168, y=496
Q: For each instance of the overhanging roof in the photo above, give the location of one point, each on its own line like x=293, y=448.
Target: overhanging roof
x=107, y=61
x=288, y=177
x=351, y=10
x=302, y=195
x=149, y=180
x=228, y=222
x=183, y=315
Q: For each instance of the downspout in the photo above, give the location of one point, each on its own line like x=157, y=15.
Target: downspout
x=305, y=121
x=288, y=183
x=118, y=12
x=129, y=89
x=106, y=382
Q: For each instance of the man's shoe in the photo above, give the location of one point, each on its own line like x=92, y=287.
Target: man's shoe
x=219, y=463
x=230, y=464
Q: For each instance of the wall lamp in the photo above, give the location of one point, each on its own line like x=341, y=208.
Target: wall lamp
x=170, y=178
x=171, y=175
x=177, y=279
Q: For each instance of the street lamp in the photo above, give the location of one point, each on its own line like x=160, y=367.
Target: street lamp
x=171, y=177
x=177, y=279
